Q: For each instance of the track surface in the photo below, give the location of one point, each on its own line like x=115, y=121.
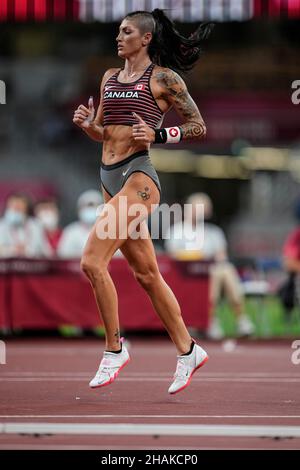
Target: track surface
x=255, y=386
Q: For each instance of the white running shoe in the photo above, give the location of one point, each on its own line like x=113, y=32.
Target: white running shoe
x=215, y=331
x=110, y=367
x=245, y=326
x=186, y=366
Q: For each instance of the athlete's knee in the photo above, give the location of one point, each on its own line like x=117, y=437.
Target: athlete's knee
x=147, y=278
x=93, y=268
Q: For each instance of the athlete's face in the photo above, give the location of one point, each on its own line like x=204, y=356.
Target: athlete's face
x=130, y=40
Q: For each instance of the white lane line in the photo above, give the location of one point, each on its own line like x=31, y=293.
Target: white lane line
x=136, y=429
x=153, y=374
x=152, y=379
x=157, y=351
x=78, y=416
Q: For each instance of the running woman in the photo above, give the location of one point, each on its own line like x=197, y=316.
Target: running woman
x=133, y=102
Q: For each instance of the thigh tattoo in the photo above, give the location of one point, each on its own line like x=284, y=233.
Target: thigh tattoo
x=145, y=195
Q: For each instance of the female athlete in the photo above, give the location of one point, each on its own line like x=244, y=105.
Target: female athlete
x=133, y=102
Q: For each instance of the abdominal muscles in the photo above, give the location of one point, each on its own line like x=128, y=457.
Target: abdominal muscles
x=118, y=144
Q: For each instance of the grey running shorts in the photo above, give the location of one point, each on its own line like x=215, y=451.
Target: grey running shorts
x=113, y=177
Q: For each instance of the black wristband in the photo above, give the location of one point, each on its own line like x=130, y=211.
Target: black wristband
x=160, y=136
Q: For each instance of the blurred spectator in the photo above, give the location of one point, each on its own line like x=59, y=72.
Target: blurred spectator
x=223, y=275
x=290, y=291
x=47, y=212
x=75, y=235
x=20, y=234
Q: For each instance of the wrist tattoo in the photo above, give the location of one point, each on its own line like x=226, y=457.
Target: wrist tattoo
x=193, y=130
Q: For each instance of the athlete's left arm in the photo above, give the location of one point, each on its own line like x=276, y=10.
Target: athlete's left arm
x=175, y=92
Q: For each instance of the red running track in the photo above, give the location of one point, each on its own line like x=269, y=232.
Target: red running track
x=247, y=398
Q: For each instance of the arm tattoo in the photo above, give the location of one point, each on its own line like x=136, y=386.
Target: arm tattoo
x=194, y=126
x=193, y=130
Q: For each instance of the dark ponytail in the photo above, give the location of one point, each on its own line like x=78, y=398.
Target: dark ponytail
x=168, y=47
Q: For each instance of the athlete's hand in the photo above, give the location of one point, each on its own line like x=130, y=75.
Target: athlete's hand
x=83, y=116
x=142, y=132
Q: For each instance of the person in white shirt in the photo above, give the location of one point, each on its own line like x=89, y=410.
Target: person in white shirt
x=75, y=235
x=47, y=212
x=212, y=246
x=21, y=235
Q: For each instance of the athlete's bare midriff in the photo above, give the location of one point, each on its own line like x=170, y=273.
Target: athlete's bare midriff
x=119, y=144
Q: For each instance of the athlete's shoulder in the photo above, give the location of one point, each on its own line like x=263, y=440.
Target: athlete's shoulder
x=109, y=73
x=162, y=71
x=167, y=77
x=112, y=70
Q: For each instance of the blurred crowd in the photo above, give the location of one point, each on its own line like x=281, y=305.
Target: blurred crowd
x=34, y=231
x=224, y=277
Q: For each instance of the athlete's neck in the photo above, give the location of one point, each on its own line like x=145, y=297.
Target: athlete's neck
x=135, y=67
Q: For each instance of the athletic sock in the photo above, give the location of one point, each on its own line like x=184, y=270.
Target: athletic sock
x=190, y=351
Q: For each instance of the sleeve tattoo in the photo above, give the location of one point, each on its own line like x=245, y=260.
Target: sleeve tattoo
x=178, y=95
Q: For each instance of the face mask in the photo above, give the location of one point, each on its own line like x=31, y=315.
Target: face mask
x=14, y=217
x=87, y=215
x=48, y=219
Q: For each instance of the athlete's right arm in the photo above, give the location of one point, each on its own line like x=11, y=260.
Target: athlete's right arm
x=84, y=117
